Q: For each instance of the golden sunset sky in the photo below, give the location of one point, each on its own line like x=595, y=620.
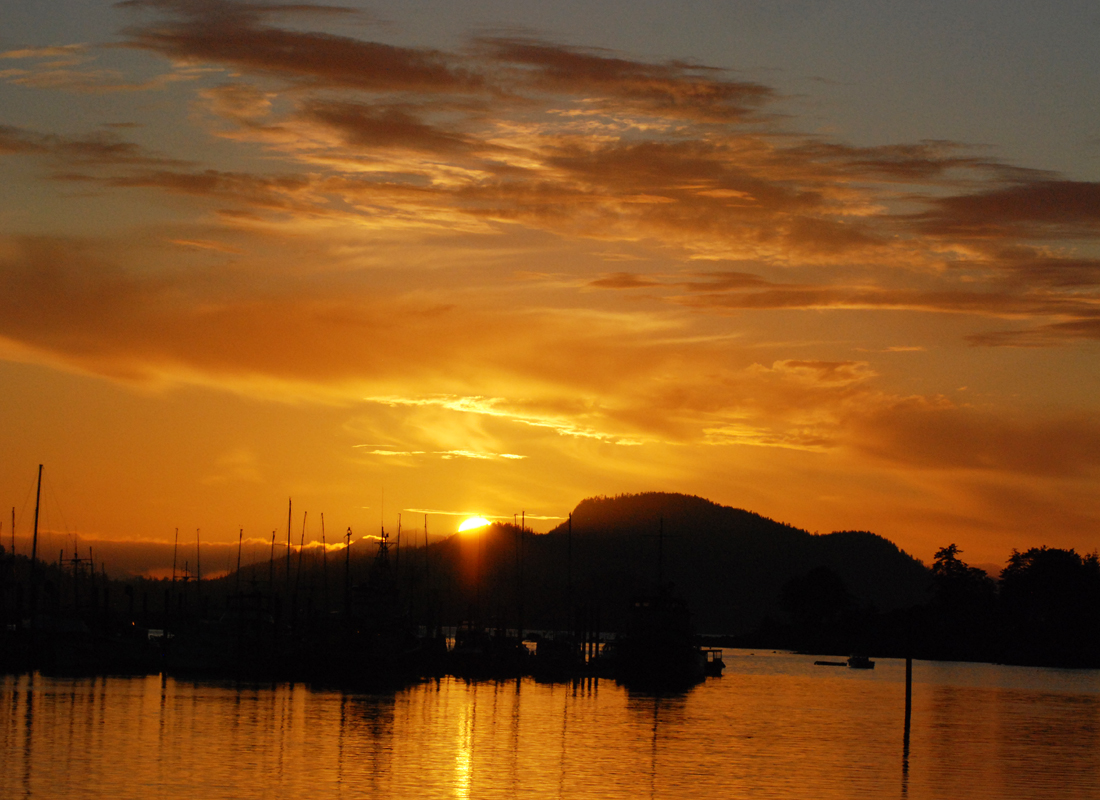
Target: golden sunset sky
x=835, y=263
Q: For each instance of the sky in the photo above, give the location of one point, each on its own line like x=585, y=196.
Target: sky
x=833, y=262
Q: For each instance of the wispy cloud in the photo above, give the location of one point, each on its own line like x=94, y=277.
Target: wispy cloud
x=521, y=239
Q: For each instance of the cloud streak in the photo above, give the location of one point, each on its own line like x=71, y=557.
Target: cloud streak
x=522, y=253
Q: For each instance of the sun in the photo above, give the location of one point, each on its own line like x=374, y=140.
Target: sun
x=472, y=523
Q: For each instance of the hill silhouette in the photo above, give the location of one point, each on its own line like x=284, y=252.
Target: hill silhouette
x=731, y=565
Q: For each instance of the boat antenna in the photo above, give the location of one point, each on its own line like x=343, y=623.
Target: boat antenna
x=240, y=542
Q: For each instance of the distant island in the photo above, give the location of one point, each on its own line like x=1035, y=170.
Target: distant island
x=746, y=580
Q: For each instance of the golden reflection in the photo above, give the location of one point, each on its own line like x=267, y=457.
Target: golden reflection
x=464, y=753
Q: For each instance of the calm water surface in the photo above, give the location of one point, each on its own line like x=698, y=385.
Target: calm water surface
x=773, y=726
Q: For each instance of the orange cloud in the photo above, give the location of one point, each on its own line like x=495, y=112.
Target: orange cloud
x=424, y=236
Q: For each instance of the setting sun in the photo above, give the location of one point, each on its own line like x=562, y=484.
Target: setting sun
x=473, y=523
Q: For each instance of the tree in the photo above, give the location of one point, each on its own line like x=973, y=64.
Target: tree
x=1050, y=604
x=958, y=584
x=961, y=615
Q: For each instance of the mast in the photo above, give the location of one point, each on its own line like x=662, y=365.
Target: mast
x=271, y=567
x=324, y=563
x=34, y=540
x=240, y=541
x=301, y=547
x=289, y=508
x=347, y=573
x=198, y=572
x=519, y=583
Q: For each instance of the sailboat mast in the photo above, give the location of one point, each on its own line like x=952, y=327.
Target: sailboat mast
x=34, y=551
x=34, y=540
x=289, y=509
x=347, y=574
x=301, y=548
x=324, y=564
x=240, y=541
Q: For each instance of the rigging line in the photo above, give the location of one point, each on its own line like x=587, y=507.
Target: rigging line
x=52, y=493
x=26, y=500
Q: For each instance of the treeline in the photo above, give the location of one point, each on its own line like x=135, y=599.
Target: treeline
x=1043, y=610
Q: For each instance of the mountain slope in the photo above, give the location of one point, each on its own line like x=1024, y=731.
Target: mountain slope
x=730, y=564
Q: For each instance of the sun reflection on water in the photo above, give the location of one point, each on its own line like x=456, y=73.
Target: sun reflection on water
x=464, y=756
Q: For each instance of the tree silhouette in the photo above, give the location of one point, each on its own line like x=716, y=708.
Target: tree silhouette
x=1050, y=605
x=962, y=613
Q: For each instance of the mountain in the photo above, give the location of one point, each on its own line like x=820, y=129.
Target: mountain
x=731, y=565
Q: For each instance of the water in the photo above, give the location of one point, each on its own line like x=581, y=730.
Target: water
x=773, y=726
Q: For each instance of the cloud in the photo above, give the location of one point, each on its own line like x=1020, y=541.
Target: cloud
x=236, y=34
x=1043, y=335
x=93, y=150
x=623, y=280
x=607, y=81
x=354, y=233
x=946, y=437
x=236, y=466
x=1039, y=208
x=68, y=68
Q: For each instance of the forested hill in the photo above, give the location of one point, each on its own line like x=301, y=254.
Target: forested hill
x=731, y=565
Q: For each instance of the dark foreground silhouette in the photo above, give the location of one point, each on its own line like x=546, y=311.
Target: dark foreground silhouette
x=597, y=596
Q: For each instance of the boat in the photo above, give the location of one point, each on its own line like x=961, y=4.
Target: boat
x=712, y=663
x=658, y=650
x=860, y=662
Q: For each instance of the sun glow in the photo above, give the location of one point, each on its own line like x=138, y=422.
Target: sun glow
x=473, y=523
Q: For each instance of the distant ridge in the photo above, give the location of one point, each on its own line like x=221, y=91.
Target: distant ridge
x=731, y=564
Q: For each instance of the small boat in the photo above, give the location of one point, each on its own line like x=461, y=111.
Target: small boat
x=714, y=664
x=830, y=663
x=860, y=662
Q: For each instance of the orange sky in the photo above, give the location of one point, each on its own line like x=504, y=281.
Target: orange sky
x=251, y=254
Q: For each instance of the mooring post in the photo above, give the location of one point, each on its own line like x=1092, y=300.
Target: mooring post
x=908, y=698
